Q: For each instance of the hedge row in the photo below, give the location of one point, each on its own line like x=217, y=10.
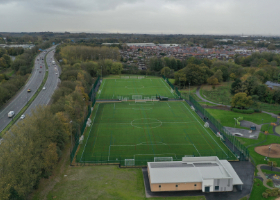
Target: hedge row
x=248, y=111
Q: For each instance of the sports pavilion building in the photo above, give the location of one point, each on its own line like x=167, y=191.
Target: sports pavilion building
x=208, y=174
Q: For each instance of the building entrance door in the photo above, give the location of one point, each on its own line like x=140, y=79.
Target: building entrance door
x=207, y=189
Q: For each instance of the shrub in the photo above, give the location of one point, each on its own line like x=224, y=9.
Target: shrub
x=257, y=110
x=248, y=111
x=268, y=181
x=265, y=195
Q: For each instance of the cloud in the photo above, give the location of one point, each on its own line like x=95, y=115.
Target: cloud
x=142, y=16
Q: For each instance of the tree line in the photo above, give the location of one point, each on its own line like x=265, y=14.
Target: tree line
x=32, y=147
x=22, y=67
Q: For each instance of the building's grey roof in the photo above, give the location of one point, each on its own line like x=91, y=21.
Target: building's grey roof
x=192, y=170
x=269, y=83
x=236, y=179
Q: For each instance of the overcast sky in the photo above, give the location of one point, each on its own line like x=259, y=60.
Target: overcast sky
x=142, y=16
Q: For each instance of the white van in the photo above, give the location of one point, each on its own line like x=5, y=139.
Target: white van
x=11, y=114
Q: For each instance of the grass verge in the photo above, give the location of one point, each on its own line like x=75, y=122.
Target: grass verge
x=257, y=191
x=28, y=103
x=226, y=118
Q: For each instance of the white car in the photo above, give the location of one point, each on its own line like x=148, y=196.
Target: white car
x=56, y=73
x=22, y=116
x=44, y=88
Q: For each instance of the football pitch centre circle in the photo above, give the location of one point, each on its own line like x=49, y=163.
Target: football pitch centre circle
x=132, y=87
x=146, y=123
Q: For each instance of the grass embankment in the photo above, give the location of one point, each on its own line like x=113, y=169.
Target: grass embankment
x=226, y=118
x=267, y=127
x=221, y=94
x=28, y=103
x=257, y=191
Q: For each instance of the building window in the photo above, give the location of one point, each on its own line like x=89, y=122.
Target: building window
x=176, y=185
x=194, y=184
x=217, y=188
x=159, y=186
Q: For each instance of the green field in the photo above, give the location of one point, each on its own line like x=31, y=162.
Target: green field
x=142, y=131
x=116, y=88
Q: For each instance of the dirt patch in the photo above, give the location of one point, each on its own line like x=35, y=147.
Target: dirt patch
x=274, y=151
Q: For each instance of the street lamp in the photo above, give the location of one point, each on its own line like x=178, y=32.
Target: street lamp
x=101, y=72
x=269, y=150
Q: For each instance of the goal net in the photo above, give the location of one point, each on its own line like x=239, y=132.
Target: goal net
x=206, y=125
x=129, y=162
x=136, y=96
x=124, y=77
x=141, y=77
x=147, y=98
x=99, y=92
x=140, y=101
x=163, y=159
x=124, y=99
x=135, y=77
x=192, y=108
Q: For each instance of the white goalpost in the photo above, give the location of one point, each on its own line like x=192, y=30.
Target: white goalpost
x=163, y=159
x=135, y=77
x=140, y=101
x=192, y=108
x=124, y=77
x=136, y=96
x=129, y=162
x=124, y=99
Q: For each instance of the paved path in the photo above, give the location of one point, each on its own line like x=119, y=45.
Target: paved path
x=261, y=174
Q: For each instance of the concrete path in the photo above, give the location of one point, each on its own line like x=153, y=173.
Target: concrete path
x=261, y=174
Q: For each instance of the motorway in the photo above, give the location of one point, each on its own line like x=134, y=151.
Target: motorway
x=51, y=84
x=34, y=82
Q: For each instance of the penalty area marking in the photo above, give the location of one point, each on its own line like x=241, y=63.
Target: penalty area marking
x=134, y=88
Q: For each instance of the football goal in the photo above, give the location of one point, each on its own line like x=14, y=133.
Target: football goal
x=129, y=162
x=136, y=96
x=140, y=101
x=163, y=159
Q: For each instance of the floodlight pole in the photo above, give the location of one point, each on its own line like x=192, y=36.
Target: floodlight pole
x=101, y=72
x=268, y=150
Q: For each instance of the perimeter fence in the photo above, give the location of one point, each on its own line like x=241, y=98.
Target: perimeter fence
x=77, y=136
x=102, y=158
x=230, y=141
x=172, y=86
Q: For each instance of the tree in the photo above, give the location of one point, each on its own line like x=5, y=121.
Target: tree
x=116, y=68
x=165, y=71
x=212, y=81
x=219, y=75
x=241, y=100
x=235, y=86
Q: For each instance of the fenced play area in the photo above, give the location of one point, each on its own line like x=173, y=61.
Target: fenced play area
x=136, y=87
x=133, y=133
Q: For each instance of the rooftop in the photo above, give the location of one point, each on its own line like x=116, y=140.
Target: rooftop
x=192, y=169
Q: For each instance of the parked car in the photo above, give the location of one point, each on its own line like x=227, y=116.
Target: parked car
x=44, y=88
x=22, y=116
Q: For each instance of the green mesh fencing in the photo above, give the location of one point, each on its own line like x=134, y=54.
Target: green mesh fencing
x=77, y=135
x=225, y=133
x=172, y=86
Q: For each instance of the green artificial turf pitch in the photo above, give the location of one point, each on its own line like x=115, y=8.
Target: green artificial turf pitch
x=125, y=88
x=142, y=131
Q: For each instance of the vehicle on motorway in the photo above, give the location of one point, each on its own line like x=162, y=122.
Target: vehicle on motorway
x=53, y=62
x=44, y=88
x=29, y=90
x=56, y=73
x=40, y=66
x=40, y=71
x=11, y=114
x=22, y=116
